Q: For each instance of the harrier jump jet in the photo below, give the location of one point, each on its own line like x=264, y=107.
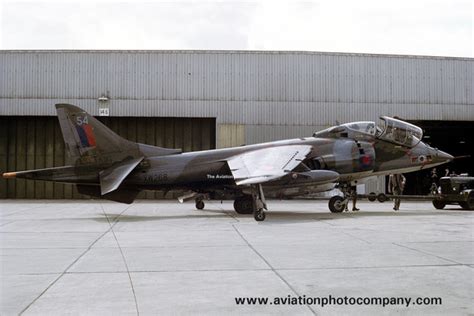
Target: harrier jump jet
x=105, y=165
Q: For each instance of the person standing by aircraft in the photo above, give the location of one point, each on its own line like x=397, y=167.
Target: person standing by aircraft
x=434, y=181
x=434, y=177
x=396, y=184
x=353, y=195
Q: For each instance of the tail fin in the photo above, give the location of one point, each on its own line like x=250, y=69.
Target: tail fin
x=89, y=141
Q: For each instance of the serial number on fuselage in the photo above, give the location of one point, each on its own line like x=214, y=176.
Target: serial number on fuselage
x=156, y=178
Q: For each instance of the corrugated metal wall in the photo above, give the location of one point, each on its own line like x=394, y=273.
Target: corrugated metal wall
x=252, y=88
x=237, y=76
x=36, y=142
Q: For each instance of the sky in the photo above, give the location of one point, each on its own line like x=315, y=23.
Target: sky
x=409, y=27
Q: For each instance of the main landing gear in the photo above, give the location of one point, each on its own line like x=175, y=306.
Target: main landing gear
x=253, y=203
x=198, y=197
x=244, y=204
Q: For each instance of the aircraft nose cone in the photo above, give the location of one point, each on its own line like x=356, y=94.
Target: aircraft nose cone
x=443, y=156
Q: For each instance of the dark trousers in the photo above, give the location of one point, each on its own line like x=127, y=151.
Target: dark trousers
x=397, y=191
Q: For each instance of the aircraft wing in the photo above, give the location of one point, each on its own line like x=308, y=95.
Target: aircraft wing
x=112, y=177
x=266, y=164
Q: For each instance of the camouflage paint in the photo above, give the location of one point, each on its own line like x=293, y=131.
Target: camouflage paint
x=96, y=152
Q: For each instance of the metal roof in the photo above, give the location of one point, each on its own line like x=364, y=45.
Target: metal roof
x=190, y=51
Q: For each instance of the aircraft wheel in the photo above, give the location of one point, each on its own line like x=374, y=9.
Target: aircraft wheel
x=259, y=215
x=238, y=205
x=243, y=205
x=200, y=204
x=336, y=204
x=439, y=205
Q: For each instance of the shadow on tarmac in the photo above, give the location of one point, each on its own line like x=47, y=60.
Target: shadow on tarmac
x=276, y=216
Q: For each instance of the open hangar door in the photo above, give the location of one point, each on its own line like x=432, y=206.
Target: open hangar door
x=453, y=137
x=34, y=142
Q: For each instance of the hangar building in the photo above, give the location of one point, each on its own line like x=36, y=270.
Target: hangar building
x=206, y=99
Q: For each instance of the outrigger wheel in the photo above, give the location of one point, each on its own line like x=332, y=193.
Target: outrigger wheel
x=259, y=215
x=336, y=204
x=258, y=203
x=200, y=204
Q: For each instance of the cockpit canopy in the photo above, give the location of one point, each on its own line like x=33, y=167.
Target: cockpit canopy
x=362, y=127
x=389, y=129
x=399, y=132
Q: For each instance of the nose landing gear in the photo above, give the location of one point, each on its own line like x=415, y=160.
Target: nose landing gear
x=259, y=215
x=338, y=204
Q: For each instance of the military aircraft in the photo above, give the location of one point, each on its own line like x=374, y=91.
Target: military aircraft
x=105, y=165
